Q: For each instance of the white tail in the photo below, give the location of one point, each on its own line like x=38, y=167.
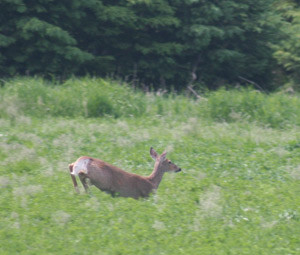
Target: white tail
x=114, y=180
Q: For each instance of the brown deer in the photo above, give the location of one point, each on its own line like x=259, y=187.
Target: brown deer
x=114, y=180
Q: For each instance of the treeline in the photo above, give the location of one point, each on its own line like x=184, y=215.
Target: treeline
x=157, y=43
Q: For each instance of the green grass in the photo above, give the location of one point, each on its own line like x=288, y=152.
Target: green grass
x=238, y=192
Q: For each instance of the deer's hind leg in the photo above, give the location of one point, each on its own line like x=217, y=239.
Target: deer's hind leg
x=73, y=178
x=83, y=179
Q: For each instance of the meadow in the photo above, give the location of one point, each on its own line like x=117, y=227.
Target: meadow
x=238, y=192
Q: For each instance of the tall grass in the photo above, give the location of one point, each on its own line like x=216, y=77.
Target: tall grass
x=85, y=97
x=276, y=110
x=89, y=97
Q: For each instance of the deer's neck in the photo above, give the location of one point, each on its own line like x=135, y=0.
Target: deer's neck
x=156, y=175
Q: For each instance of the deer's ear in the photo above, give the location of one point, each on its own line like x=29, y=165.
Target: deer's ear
x=163, y=156
x=153, y=153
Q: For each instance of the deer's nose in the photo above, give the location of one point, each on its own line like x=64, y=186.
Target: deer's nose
x=178, y=170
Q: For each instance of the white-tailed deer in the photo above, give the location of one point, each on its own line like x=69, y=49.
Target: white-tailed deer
x=114, y=180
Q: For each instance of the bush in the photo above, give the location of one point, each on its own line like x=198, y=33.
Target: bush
x=275, y=110
x=84, y=97
x=89, y=97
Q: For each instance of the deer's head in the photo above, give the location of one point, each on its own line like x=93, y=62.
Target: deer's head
x=166, y=164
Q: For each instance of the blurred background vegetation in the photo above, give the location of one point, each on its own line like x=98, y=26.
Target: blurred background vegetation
x=154, y=43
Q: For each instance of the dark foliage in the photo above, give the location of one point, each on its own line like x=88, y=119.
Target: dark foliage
x=158, y=43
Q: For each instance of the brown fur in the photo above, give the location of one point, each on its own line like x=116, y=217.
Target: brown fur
x=114, y=180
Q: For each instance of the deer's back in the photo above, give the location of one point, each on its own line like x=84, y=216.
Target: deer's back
x=113, y=179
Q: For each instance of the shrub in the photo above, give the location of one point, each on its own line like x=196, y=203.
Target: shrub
x=275, y=110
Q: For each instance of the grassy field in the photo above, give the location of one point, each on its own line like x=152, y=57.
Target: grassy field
x=238, y=193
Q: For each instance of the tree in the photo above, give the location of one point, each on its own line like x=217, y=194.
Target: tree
x=39, y=37
x=225, y=40
x=137, y=39
x=154, y=42
x=175, y=43
x=287, y=50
